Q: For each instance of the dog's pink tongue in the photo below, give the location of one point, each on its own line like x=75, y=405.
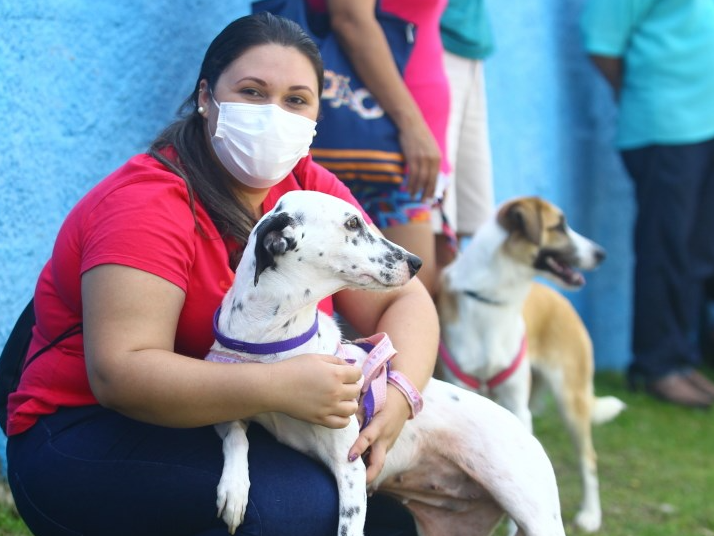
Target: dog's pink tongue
x=566, y=273
x=576, y=278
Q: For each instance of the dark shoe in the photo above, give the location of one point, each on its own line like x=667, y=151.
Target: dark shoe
x=677, y=389
x=701, y=382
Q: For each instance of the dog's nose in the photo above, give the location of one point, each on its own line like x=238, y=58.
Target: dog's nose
x=600, y=255
x=414, y=264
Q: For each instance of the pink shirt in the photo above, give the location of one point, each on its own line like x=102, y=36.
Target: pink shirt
x=425, y=75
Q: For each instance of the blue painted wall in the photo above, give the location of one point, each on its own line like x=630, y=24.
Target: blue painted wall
x=552, y=120
x=87, y=84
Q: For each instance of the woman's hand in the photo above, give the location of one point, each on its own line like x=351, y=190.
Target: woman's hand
x=382, y=432
x=320, y=389
x=423, y=159
x=409, y=316
x=363, y=41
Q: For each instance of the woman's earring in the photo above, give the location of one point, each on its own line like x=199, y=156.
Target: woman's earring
x=201, y=110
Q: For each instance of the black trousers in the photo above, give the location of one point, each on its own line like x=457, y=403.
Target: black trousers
x=674, y=253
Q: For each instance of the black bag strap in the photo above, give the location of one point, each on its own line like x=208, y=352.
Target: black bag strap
x=12, y=359
x=71, y=331
x=13, y=356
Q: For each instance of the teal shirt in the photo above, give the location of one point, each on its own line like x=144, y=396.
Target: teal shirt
x=466, y=29
x=667, y=48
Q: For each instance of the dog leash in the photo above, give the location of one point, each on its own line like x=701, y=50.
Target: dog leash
x=375, y=369
x=452, y=240
x=377, y=374
x=477, y=383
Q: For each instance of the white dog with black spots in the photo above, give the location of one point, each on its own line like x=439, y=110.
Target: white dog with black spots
x=459, y=466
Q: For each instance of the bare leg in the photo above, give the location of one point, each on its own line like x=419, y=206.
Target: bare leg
x=417, y=238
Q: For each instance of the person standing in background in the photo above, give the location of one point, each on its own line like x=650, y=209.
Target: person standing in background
x=658, y=56
x=419, y=106
x=468, y=200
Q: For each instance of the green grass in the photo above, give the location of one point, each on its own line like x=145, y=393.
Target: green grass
x=656, y=465
x=10, y=524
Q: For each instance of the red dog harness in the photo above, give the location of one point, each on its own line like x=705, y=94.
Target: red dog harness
x=477, y=383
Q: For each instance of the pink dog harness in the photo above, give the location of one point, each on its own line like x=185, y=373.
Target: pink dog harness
x=377, y=373
x=473, y=381
x=375, y=369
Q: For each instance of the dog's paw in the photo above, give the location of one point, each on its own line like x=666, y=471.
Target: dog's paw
x=232, y=502
x=588, y=521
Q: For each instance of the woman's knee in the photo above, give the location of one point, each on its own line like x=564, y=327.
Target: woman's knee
x=289, y=489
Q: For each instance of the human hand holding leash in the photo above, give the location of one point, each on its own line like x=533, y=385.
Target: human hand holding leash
x=319, y=389
x=381, y=433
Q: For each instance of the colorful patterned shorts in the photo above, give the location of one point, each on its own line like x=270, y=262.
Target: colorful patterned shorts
x=389, y=204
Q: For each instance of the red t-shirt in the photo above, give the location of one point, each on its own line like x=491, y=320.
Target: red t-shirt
x=139, y=216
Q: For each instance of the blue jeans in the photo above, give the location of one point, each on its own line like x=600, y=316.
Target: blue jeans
x=674, y=253
x=92, y=471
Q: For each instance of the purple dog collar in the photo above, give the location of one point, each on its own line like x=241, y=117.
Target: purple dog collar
x=264, y=348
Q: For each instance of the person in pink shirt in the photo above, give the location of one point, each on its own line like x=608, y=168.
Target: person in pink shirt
x=419, y=106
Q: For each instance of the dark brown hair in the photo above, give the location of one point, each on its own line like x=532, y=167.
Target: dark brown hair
x=187, y=135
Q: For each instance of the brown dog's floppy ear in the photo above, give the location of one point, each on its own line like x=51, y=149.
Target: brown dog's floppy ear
x=522, y=216
x=271, y=241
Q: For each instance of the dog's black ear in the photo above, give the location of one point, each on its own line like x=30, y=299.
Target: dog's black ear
x=522, y=216
x=271, y=241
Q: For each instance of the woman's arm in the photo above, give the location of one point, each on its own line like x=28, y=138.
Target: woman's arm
x=409, y=317
x=611, y=69
x=130, y=320
x=364, y=43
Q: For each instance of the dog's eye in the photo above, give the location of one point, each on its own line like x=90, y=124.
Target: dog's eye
x=560, y=227
x=353, y=223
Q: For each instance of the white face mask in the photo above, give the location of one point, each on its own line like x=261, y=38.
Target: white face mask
x=259, y=144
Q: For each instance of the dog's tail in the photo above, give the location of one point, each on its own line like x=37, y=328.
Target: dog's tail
x=606, y=408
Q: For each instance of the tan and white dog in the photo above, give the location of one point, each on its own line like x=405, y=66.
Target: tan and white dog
x=495, y=321
x=458, y=466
